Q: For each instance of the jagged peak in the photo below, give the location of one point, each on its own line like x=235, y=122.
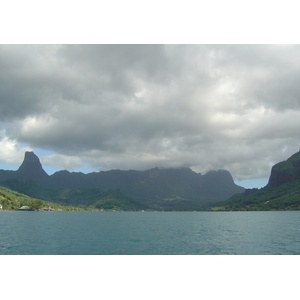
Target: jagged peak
x=29, y=155
x=31, y=166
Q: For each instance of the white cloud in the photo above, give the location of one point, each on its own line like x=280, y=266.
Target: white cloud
x=11, y=153
x=63, y=162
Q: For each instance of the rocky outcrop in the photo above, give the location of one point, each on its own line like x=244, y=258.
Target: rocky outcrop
x=285, y=171
x=31, y=168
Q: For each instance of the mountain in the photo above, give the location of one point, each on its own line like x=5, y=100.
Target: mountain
x=281, y=193
x=31, y=168
x=286, y=171
x=159, y=189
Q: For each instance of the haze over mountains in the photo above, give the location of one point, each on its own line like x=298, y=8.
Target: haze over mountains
x=161, y=189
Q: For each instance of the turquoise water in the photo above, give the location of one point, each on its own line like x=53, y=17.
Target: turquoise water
x=159, y=233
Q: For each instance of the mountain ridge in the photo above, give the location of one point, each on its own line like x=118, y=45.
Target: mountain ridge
x=156, y=188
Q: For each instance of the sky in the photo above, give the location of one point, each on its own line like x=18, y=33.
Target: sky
x=100, y=107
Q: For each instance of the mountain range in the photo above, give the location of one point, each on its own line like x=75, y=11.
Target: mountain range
x=154, y=189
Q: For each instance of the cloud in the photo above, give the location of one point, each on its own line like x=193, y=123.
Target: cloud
x=10, y=152
x=140, y=106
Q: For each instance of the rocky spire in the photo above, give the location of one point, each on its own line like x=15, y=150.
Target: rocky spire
x=31, y=168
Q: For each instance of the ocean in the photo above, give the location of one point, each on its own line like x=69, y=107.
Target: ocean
x=150, y=233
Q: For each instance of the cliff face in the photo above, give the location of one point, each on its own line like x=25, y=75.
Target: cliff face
x=219, y=184
x=285, y=171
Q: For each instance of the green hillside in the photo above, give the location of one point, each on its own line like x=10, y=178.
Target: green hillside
x=81, y=200
x=283, y=197
x=96, y=199
x=11, y=200
x=281, y=193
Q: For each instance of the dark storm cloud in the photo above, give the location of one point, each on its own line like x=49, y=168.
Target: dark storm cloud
x=32, y=80
x=140, y=106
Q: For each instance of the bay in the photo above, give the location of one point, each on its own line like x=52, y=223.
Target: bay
x=149, y=233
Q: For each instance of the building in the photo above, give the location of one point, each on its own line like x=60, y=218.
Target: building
x=25, y=207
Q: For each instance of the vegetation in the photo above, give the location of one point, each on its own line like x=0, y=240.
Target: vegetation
x=286, y=171
x=12, y=200
x=114, y=200
x=281, y=193
x=111, y=200
x=283, y=197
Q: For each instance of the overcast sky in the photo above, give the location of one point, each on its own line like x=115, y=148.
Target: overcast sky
x=101, y=107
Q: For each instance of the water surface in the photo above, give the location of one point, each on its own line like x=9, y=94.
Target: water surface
x=159, y=233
